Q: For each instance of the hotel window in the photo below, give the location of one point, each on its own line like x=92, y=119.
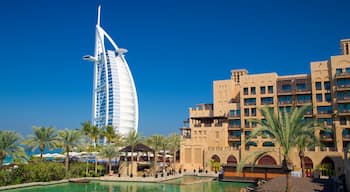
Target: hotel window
x=250, y=101
x=325, y=121
x=286, y=87
x=338, y=71
x=285, y=99
x=328, y=97
x=285, y=109
x=235, y=113
x=343, y=82
x=318, y=86
x=347, y=70
x=270, y=89
x=235, y=123
x=267, y=100
x=253, y=111
x=342, y=121
x=324, y=109
x=344, y=108
x=246, y=112
x=319, y=97
x=253, y=124
x=327, y=85
x=304, y=98
x=245, y=91
x=252, y=91
x=262, y=90
x=301, y=86
x=246, y=123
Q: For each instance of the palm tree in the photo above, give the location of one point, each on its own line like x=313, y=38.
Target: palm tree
x=174, y=145
x=109, y=133
x=286, y=128
x=69, y=139
x=10, y=146
x=109, y=151
x=156, y=142
x=165, y=144
x=132, y=139
x=42, y=137
x=91, y=131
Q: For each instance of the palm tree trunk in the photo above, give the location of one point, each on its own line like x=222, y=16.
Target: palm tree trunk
x=1, y=160
x=96, y=164
x=41, y=148
x=174, y=159
x=155, y=161
x=109, y=165
x=164, y=156
x=87, y=168
x=132, y=161
x=67, y=160
x=302, y=162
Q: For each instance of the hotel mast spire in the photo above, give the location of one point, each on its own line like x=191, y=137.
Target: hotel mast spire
x=99, y=15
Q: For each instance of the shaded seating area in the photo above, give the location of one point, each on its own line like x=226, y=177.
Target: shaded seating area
x=142, y=155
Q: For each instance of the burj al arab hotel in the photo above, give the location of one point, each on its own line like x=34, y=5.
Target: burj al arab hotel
x=114, y=93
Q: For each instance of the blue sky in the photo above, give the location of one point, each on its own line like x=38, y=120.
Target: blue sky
x=176, y=49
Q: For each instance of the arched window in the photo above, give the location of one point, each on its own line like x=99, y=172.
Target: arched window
x=267, y=160
x=231, y=160
x=215, y=158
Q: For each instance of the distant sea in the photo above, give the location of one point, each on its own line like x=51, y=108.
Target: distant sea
x=36, y=151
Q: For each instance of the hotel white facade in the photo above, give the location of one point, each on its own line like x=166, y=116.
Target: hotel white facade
x=114, y=92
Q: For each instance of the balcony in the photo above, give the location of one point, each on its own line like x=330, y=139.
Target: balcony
x=344, y=112
x=326, y=137
x=343, y=87
x=284, y=91
x=285, y=103
x=344, y=99
x=303, y=102
x=234, y=116
x=234, y=126
x=346, y=136
x=308, y=114
x=303, y=91
x=342, y=75
x=234, y=138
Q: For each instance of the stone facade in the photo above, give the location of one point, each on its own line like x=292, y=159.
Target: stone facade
x=218, y=131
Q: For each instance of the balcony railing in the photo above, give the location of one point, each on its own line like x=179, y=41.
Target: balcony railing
x=342, y=75
x=234, y=115
x=303, y=101
x=343, y=99
x=303, y=90
x=344, y=112
x=346, y=136
x=324, y=112
x=326, y=137
x=267, y=103
x=247, y=104
x=341, y=87
x=285, y=102
x=234, y=137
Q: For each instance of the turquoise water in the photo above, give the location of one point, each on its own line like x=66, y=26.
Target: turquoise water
x=211, y=186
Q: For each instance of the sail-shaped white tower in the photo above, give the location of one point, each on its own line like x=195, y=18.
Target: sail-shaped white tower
x=114, y=93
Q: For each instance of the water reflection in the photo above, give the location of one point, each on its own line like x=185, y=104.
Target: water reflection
x=178, y=185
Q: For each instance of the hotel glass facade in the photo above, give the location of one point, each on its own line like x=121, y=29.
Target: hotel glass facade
x=114, y=93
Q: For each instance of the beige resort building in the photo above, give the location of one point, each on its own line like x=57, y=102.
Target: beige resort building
x=218, y=131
